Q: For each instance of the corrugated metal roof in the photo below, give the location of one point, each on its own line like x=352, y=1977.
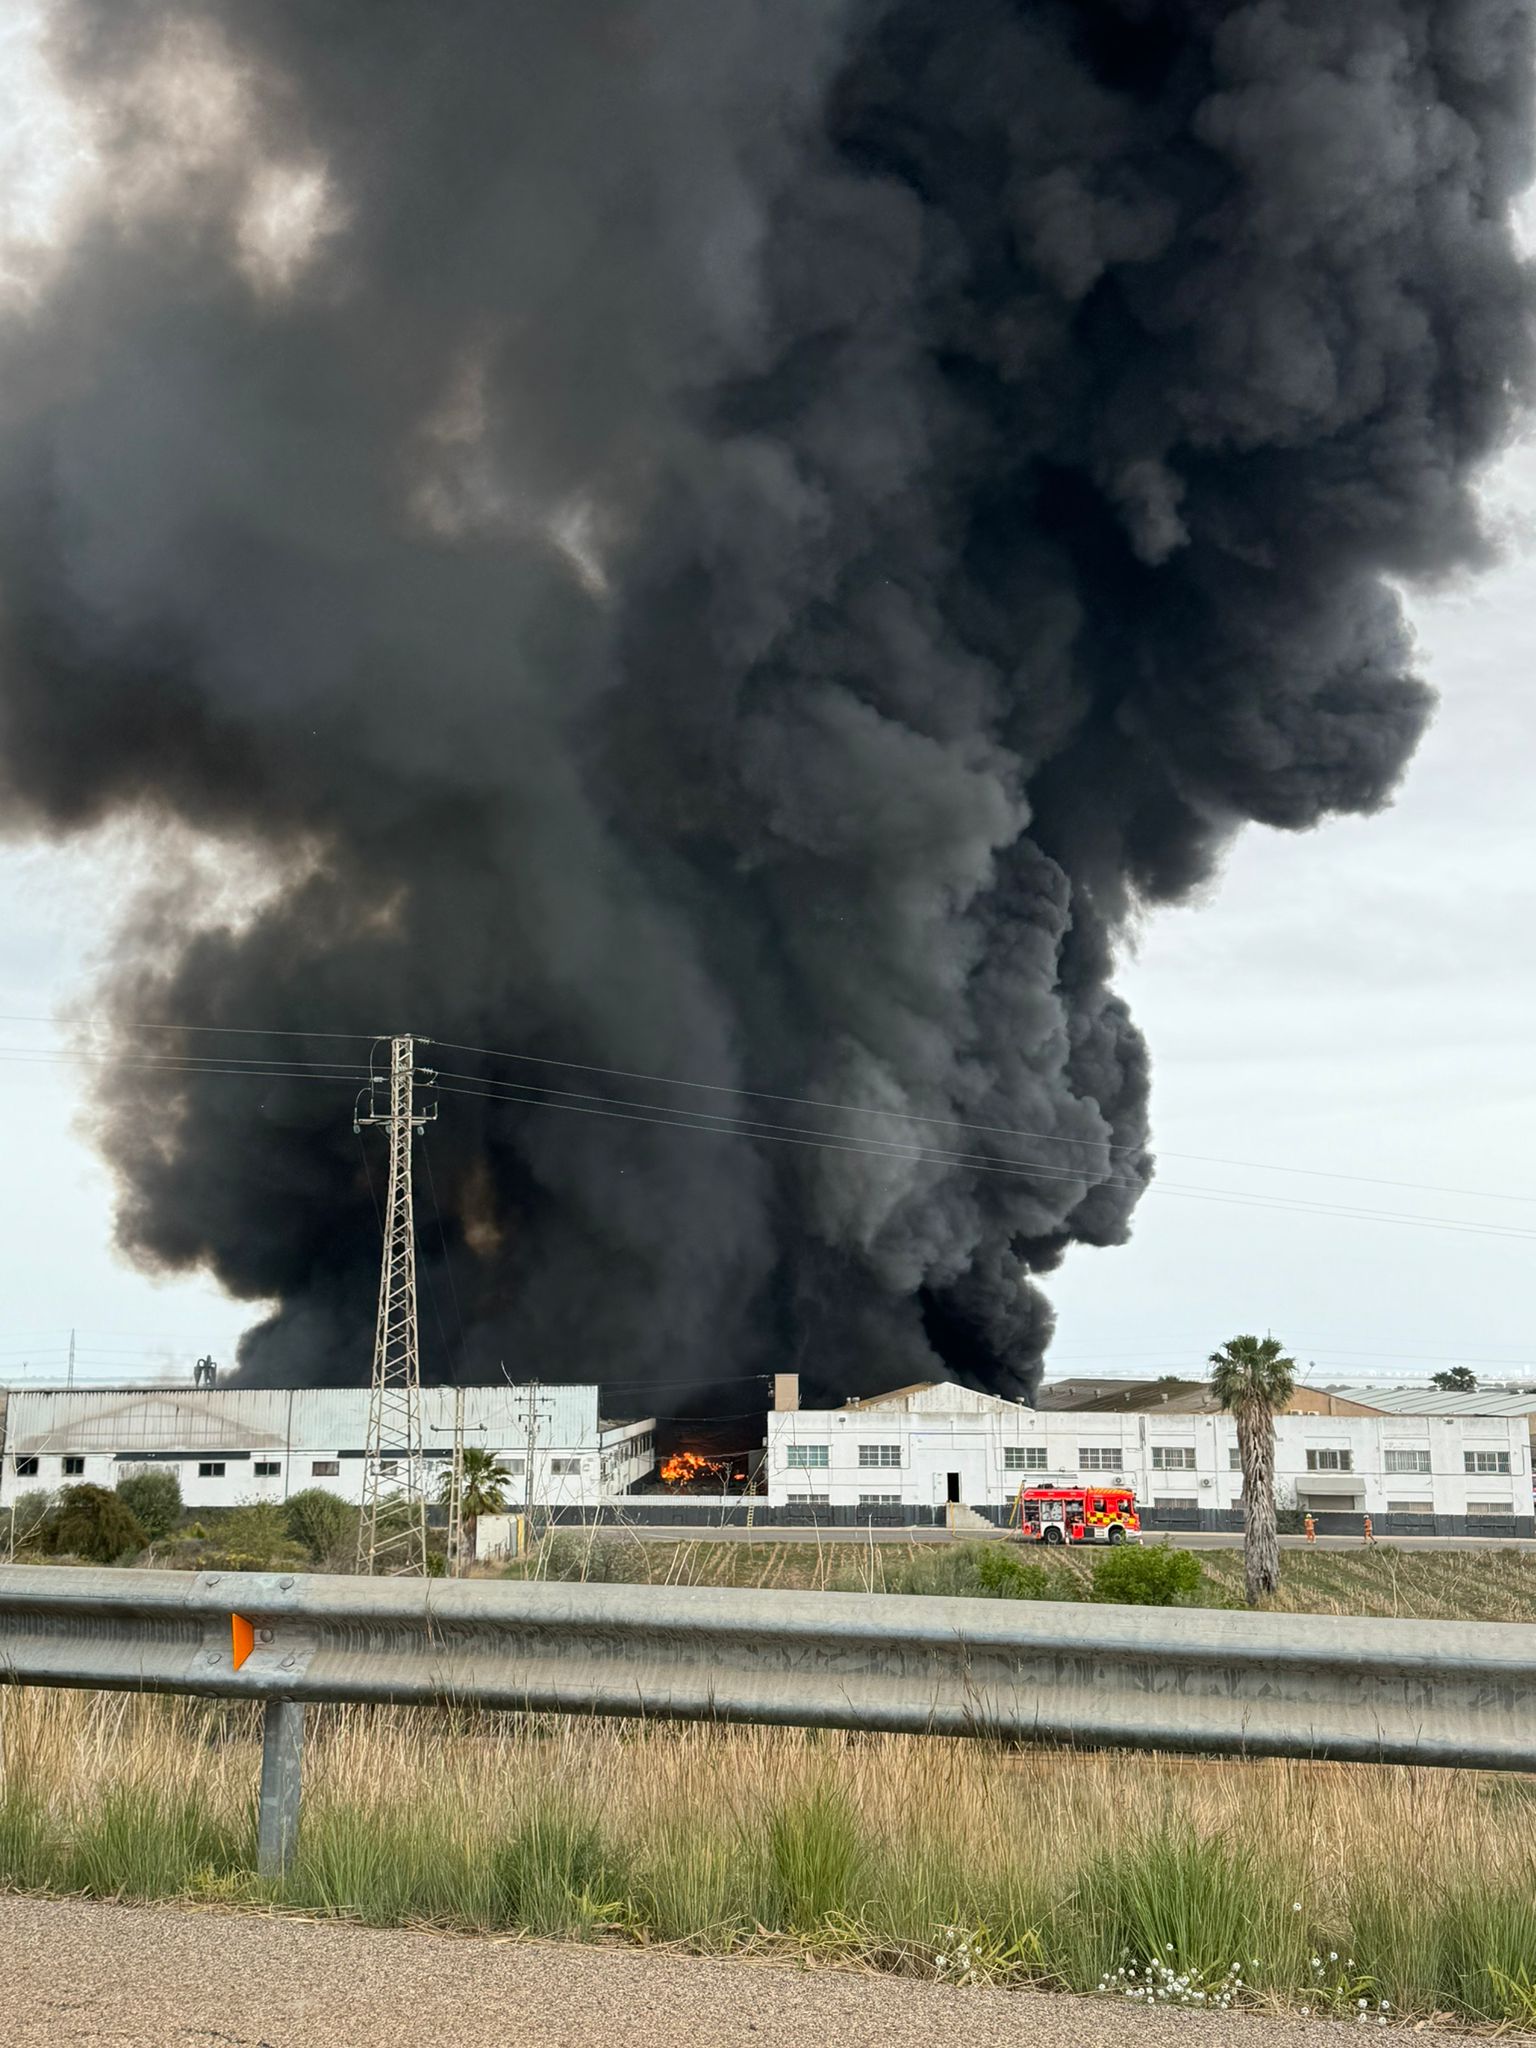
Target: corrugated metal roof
x=302, y=1418
x=1433, y=1401
x=936, y=1397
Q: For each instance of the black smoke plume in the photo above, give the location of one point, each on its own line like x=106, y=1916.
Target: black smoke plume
x=730, y=539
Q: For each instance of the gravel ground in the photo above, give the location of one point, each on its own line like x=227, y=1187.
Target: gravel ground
x=74, y=1972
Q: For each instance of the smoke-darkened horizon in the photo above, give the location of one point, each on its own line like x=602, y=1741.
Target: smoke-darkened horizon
x=736, y=541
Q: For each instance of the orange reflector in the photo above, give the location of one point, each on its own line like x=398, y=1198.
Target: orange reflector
x=242, y=1639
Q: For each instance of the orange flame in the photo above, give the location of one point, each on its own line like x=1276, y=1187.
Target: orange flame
x=685, y=1466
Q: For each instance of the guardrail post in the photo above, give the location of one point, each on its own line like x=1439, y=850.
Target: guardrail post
x=282, y=1756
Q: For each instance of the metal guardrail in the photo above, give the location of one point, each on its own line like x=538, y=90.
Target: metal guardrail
x=1191, y=1679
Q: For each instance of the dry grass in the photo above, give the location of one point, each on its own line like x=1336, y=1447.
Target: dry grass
x=941, y=1858
x=1423, y=1585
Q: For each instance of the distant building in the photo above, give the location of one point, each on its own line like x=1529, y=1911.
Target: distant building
x=1175, y=1396
x=230, y=1445
x=936, y=1446
x=1414, y=1401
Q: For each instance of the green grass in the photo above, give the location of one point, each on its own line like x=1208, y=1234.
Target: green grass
x=1160, y=1881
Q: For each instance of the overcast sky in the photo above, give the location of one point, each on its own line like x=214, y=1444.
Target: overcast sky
x=1355, y=1001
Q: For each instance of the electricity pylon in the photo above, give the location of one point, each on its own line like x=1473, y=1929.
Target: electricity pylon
x=392, y=1529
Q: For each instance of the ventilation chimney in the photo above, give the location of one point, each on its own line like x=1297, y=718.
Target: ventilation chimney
x=786, y=1392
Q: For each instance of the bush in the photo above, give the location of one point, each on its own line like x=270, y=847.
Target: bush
x=154, y=1498
x=322, y=1524
x=1006, y=1576
x=254, y=1538
x=91, y=1522
x=25, y=1526
x=1146, y=1578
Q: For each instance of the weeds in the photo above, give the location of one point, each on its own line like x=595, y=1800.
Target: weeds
x=1342, y=1891
x=1412, y=1585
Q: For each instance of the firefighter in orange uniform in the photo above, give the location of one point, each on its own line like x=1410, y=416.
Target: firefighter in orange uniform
x=1311, y=1528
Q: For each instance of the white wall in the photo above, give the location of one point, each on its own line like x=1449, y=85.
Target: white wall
x=1147, y=1452
x=218, y=1441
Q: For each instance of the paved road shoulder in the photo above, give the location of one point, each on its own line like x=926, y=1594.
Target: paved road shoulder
x=79, y=1973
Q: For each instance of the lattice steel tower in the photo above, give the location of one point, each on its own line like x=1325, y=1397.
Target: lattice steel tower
x=392, y=1530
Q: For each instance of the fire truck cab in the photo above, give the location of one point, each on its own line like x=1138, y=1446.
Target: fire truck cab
x=1077, y=1514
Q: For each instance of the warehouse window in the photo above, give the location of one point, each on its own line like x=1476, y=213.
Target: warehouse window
x=810, y=1500
x=1234, y=1459
x=806, y=1457
x=879, y=1454
x=211, y=1468
x=879, y=1500
x=73, y=1467
x=264, y=1468
x=1330, y=1461
x=1098, y=1457
x=512, y=1465
x=1173, y=1458
x=325, y=1468
x=1410, y=1507
x=1490, y=1507
x=1024, y=1458
x=1407, y=1461
x=26, y=1468
x=1485, y=1461
x=565, y=1467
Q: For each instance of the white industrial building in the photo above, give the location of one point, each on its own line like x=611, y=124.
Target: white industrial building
x=230, y=1445
x=925, y=1447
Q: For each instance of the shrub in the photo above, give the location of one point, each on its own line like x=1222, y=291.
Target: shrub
x=1146, y=1578
x=154, y=1498
x=323, y=1525
x=25, y=1526
x=254, y=1538
x=91, y=1522
x=1005, y=1575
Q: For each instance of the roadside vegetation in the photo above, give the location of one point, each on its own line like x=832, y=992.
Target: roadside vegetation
x=142, y=1522
x=1351, y=1891
x=1376, y=1579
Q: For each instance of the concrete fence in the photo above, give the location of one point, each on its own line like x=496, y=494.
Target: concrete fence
x=1212, y=1682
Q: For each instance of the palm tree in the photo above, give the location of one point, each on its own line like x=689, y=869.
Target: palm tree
x=1252, y=1378
x=482, y=1490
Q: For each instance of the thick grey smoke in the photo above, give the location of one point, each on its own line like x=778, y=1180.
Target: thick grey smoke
x=738, y=539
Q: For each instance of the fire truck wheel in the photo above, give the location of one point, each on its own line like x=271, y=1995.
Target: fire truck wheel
x=1054, y=1536
x=1116, y=1533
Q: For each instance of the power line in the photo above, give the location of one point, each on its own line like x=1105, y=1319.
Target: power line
x=975, y=1164
x=721, y=1123
x=738, y=1089
x=956, y=1123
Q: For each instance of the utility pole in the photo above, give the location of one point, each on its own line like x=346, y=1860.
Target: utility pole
x=531, y=1395
x=69, y=1373
x=392, y=1529
x=456, y=1489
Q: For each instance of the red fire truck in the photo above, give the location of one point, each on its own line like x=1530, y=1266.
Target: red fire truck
x=1077, y=1514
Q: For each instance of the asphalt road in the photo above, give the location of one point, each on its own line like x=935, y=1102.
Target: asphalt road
x=74, y=1974
x=1186, y=1539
